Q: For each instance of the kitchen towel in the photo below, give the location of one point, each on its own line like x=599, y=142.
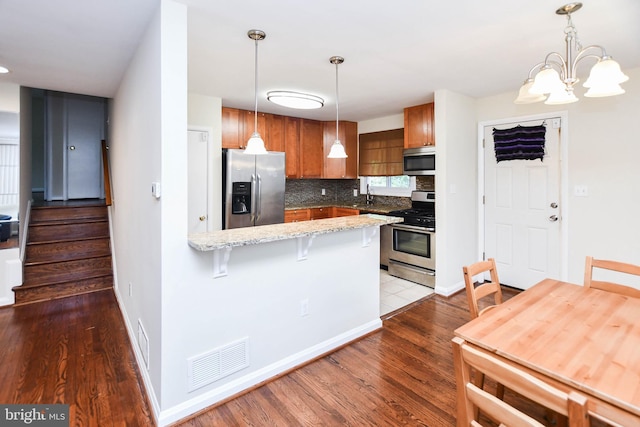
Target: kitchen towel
x=519, y=143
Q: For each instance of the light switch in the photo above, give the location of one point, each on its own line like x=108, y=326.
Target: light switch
x=155, y=189
x=581, y=191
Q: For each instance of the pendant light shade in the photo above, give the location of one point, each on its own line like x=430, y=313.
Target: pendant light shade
x=337, y=149
x=255, y=145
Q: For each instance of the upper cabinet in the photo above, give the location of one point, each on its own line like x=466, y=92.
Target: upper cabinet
x=418, y=126
x=292, y=147
x=232, y=128
x=381, y=153
x=311, y=149
x=305, y=142
x=341, y=168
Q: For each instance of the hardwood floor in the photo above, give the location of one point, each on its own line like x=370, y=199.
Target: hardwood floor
x=75, y=350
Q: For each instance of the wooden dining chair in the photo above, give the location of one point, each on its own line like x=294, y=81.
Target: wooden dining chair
x=476, y=292
x=471, y=397
x=617, y=266
x=481, y=290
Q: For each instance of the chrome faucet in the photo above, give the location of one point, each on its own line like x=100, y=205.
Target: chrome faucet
x=369, y=198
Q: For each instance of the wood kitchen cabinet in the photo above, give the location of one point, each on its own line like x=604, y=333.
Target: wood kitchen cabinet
x=418, y=126
x=311, y=149
x=338, y=211
x=292, y=147
x=276, y=132
x=232, y=128
x=341, y=168
x=295, y=215
x=380, y=153
x=320, y=213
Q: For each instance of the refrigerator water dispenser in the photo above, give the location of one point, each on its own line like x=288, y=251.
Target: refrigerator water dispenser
x=241, y=198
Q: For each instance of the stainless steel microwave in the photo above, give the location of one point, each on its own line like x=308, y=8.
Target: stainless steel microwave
x=419, y=161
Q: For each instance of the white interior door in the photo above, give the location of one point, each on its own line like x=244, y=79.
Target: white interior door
x=85, y=121
x=522, y=210
x=198, y=143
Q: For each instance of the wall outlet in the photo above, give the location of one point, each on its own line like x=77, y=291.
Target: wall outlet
x=355, y=192
x=304, y=307
x=324, y=192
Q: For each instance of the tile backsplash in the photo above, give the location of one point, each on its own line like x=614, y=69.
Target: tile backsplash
x=308, y=192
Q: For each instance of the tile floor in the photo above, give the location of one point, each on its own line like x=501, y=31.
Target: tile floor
x=396, y=293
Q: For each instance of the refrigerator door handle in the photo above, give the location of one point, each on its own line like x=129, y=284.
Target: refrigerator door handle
x=253, y=199
x=258, y=204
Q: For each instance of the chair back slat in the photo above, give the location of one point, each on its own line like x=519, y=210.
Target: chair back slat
x=472, y=397
x=620, y=267
x=476, y=292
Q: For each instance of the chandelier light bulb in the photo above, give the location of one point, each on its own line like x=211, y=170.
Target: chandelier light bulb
x=605, y=72
x=547, y=81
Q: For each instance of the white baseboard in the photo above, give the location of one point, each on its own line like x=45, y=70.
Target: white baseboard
x=447, y=291
x=211, y=397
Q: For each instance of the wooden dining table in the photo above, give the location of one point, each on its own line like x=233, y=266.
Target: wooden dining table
x=572, y=337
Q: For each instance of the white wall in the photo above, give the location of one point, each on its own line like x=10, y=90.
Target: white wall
x=604, y=149
x=456, y=188
x=395, y=121
x=10, y=264
x=135, y=159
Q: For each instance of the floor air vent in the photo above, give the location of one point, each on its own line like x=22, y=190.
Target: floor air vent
x=218, y=363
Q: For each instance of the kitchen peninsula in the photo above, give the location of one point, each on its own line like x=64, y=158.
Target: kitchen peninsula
x=314, y=285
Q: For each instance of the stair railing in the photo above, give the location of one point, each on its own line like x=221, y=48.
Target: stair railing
x=107, y=173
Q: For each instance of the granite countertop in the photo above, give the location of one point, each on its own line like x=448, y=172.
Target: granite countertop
x=376, y=209
x=270, y=233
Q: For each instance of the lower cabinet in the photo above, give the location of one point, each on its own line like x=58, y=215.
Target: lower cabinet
x=344, y=212
x=295, y=215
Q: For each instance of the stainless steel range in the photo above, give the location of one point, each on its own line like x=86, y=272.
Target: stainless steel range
x=412, y=252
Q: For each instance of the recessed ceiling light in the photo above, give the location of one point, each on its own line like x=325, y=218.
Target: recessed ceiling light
x=301, y=101
x=3, y=70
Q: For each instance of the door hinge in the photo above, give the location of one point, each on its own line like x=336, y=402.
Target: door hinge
x=482, y=142
x=484, y=256
x=483, y=199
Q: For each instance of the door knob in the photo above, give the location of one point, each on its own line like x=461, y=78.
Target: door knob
x=202, y=218
x=72, y=147
x=553, y=218
x=554, y=205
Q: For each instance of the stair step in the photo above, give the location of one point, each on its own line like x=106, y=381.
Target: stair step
x=47, y=252
x=66, y=232
x=67, y=213
x=66, y=271
x=31, y=294
x=68, y=252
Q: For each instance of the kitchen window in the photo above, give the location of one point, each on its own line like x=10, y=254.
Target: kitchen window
x=398, y=186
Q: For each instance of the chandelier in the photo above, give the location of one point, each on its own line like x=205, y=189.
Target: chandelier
x=556, y=76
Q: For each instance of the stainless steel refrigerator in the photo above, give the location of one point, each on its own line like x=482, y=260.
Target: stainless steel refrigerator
x=252, y=188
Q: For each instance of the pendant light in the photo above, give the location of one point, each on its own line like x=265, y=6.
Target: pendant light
x=255, y=145
x=337, y=149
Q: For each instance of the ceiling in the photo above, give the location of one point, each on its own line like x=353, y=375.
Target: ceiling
x=396, y=53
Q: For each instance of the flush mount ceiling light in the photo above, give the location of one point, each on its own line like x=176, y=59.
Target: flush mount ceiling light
x=3, y=70
x=337, y=149
x=255, y=145
x=298, y=100
x=556, y=76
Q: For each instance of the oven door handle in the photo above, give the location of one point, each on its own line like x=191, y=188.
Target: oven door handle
x=420, y=270
x=423, y=230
